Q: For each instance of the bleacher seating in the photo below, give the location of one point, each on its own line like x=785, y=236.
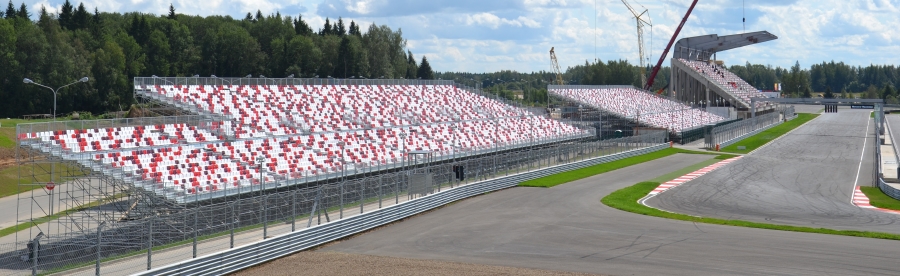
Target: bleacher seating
x=648, y=109
x=299, y=131
x=728, y=80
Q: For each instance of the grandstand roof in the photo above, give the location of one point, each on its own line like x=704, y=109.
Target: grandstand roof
x=713, y=43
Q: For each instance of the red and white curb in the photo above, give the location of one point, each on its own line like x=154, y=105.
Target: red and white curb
x=691, y=176
x=862, y=201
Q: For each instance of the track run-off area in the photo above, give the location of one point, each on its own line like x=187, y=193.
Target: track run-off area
x=805, y=178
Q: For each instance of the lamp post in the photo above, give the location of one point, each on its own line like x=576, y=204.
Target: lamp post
x=343, y=174
x=29, y=81
x=260, y=161
x=53, y=165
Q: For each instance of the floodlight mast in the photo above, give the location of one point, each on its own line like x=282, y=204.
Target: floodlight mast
x=668, y=47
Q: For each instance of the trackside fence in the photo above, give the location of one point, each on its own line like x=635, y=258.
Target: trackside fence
x=726, y=135
x=291, y=218
x=252, y=254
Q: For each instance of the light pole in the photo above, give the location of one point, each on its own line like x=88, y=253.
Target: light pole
x=343, y=174
x=29, y=81
x=260, y=161
x=53, y=165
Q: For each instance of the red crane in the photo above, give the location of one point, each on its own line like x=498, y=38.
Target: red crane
x=666, y=52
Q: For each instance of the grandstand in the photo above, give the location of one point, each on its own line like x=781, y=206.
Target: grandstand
x=697, y=77
x=299, y=131
x=641, y=107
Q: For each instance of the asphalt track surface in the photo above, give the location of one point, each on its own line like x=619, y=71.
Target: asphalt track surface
x=806, y=178
x=567, y=228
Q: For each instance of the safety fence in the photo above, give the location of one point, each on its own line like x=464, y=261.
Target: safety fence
x=185, y=231
x=243, y=257
x=726, y=135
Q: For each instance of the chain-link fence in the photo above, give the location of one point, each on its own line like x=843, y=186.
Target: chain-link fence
x=198, y=228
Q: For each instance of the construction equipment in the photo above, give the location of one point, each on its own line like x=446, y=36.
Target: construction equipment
x=639, y=18
x=559, y=78
x=666, y=51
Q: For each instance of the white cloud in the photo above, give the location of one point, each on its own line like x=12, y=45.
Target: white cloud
x=477, y=35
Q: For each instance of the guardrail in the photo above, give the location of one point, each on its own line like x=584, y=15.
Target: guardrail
x=252, y=254
x=731, y=133
x=884, y=187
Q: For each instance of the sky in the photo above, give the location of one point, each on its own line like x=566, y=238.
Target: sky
x=492, y=35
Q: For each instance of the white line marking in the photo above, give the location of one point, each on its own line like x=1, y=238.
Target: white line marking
x=863, y=153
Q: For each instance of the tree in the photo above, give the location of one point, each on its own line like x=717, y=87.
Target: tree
x=351, y=58
x=81, y=19
x=828, y=94
x=158, y=52
x=327, y=29
x=354, y=29
x=339, y=28
x=10, y=10
x=171, y=11
x=871, y=93
x=65, y=15
x=844, y=94
x=425, y=72
x=807, y=93
x=23, y=12
x=411, y=67
x=888, y=92
x=300, y=27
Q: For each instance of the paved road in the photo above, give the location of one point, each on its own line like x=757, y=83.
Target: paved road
x=567, y=228
x=805, y=178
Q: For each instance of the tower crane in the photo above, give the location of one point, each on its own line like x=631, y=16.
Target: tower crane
x=639, y=18
x=666, y=51
x=559, y=78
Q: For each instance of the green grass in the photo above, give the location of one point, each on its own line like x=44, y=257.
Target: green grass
x=756, y=141
x=12, y=123
x=9, y=177
x=626, y=200
x=560, y=178
x=879, y=199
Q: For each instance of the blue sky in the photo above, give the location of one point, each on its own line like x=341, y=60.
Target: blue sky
x=492, y=35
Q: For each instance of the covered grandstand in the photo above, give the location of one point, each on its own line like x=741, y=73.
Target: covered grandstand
x=697, y=77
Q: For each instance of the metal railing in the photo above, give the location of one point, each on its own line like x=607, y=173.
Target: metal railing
x=181, y=232
x=252, y=254
x=881, y=184
x=726, y=135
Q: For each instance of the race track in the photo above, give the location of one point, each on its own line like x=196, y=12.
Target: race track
x=805, y=178
x=567, y=228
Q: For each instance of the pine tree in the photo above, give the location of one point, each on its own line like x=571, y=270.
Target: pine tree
x=828, y=93
x=425, y=72
x=81, y=18
x=171, y=11
x=10, y=10
x=411, y=67
x=354, y=29
x=65, y=15
x=807, y=93
x=259, y=16
x=23, y=11
x=327, y=29
x=339, y=28
x=300, y=27
x=249, y=17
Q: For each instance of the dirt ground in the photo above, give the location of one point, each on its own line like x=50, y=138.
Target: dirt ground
x=334, y=263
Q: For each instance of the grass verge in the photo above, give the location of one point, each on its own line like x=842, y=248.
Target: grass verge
x=9, y=177
x=756, y=141
x=627, y=198
x=556, y=179
x=879, y=199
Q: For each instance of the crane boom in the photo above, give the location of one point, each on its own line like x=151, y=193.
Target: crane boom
x=666, y=51
x=559, y=79
x=640, y=35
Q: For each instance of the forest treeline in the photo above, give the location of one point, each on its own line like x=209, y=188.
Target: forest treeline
x=112, y=48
